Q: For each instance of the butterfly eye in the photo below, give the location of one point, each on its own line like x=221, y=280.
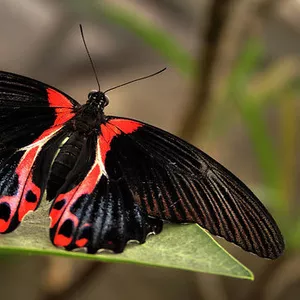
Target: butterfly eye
x=106, y=100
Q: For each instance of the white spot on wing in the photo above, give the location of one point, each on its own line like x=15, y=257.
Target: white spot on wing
x=99, y=159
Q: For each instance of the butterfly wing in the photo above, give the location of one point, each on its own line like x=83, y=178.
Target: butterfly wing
x=32, y=116
x=142, y=175
x=98, y=212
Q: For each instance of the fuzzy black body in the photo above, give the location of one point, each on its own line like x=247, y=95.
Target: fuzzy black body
x=85, y=124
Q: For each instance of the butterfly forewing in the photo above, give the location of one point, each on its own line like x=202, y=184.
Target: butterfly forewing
x=31, y=114
x=174, y=181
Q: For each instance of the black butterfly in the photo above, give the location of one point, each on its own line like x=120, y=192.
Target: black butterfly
x=113, y=179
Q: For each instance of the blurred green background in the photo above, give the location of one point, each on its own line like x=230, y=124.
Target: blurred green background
x=231, y=88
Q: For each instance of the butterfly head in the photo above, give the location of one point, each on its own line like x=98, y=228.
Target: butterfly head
x=97, y=99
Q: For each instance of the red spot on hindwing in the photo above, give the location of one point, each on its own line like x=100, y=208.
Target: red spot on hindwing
x=17, y=203
x=62, y=241
x=59, y=216
x=81, y=243
x=28, y=193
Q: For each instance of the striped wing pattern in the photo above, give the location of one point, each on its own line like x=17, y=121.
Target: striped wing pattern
x=174, y=181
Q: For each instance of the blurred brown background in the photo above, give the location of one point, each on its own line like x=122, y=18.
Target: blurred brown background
x=41, y=39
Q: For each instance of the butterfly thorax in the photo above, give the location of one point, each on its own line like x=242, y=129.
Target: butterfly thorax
x=84, y=126
x=90, y=116
x=87, y=120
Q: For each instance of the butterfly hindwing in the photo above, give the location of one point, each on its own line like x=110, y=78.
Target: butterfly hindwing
x=32, y=116
x=99, y=212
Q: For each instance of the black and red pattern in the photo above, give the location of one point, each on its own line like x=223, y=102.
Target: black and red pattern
x=31, y=114
x=112, y=179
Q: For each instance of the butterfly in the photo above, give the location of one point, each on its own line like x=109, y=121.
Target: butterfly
x=111, y=179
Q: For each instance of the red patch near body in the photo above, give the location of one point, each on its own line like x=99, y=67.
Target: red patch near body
x=126, y=126
x=57, y=99
x=113, y=128
x=63, y=107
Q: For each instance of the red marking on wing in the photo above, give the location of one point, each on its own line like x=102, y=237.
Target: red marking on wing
x=108, y=132
x=113, y=128
x=58, y=217
x=23, y=171
x=81, y=243
x=56, y=99
x=62, y=241
x=62, y=105
x=26, y=206
x=18, y=203
x=126, y=126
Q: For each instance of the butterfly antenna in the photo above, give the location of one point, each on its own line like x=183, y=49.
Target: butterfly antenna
x=89, y=55
x=138, y=79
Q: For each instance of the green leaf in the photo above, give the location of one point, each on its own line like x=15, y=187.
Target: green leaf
x=185, y=247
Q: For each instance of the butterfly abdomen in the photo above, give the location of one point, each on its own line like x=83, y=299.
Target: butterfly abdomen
x=64, y=162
